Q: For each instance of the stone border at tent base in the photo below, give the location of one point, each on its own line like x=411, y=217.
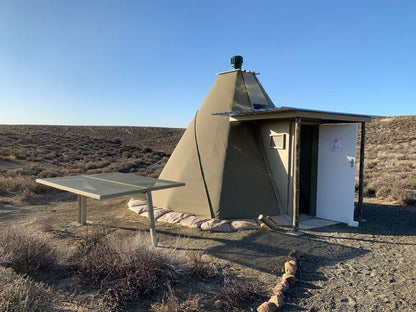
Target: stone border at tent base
x=204, y=224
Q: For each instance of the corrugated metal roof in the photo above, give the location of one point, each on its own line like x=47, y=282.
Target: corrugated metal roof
x=280, y=112
x=259, y=110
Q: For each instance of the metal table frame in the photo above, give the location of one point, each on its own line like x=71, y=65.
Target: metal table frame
x=114, y=185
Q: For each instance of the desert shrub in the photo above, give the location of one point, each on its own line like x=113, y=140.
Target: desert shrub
x=47, y=226
x=8, y=158
x=171, y=303
x=97, y=165
x=409, y=199
x=25, y=253
x=127, y=269
x=201, y=266
x=152, y=172
x=406, y=197
x=13, y=184
x=237, y=295
x=94, y=235
x=31, y=170
x=128, y=166
x=126, y=154
x=66, y=172
x=49, y=156
x=23, y=186
x=397, y=187
x=22, y=294
x=116, y=141
x=370, y=164
x=48, y=174
x=79, y=166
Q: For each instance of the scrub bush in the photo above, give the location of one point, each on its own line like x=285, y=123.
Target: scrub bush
x=237, y=295
x=171, y=303
x=22, y=294
x=25, y=253
x=127, y=269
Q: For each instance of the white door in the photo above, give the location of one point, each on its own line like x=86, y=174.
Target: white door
x=336, y=172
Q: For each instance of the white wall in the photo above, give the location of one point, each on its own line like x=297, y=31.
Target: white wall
x=279, y=161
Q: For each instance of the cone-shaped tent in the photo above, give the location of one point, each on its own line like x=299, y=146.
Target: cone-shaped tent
x=222, y=163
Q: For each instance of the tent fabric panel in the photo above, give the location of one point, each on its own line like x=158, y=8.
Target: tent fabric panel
x=183, y=165
x=246, y=188
x=212, y=134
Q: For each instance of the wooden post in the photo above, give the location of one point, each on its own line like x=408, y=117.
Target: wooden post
x=151, y=219
x=361, y=174
x=296, y=165
x=82, y=209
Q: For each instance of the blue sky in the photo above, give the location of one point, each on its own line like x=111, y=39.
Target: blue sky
x=151, y=63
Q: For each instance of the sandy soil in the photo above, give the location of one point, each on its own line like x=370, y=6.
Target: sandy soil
x=370, y=268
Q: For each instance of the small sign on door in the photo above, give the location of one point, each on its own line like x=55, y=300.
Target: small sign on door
x=336, y=145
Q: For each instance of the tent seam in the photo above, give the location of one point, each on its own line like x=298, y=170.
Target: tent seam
x=202, y=168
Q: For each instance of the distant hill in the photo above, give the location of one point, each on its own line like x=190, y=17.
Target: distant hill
x=45, y=151
x=390, y=159
x=159, y=139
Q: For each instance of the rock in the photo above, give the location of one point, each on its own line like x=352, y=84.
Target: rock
x=291, y=267
x=278, y=300
x=282, y=286
x=267, y=307
x=291, y=279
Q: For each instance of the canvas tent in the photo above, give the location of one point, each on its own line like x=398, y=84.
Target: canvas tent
x=240, y=156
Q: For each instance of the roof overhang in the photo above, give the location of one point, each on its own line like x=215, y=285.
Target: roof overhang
x=291, y=112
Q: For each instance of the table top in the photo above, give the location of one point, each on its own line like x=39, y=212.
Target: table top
x=108, y=185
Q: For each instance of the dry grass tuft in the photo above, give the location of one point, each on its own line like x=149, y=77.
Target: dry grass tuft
x=237, y=295
x=24, y=186
x=202, y=267
x=22, y=294
x=25, y=253
x=94, y=235
x=127, y=269
x=171, y=303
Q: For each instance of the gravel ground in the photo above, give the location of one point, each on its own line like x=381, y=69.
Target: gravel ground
x=375, y=272
x=370, y=268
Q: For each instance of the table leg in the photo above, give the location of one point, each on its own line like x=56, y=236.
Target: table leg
x=151, y=219
x=82, y=209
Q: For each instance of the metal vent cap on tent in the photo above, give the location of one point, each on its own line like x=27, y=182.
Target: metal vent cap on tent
x=237, y=61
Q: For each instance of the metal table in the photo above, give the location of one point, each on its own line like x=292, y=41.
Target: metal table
x=109, y=185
